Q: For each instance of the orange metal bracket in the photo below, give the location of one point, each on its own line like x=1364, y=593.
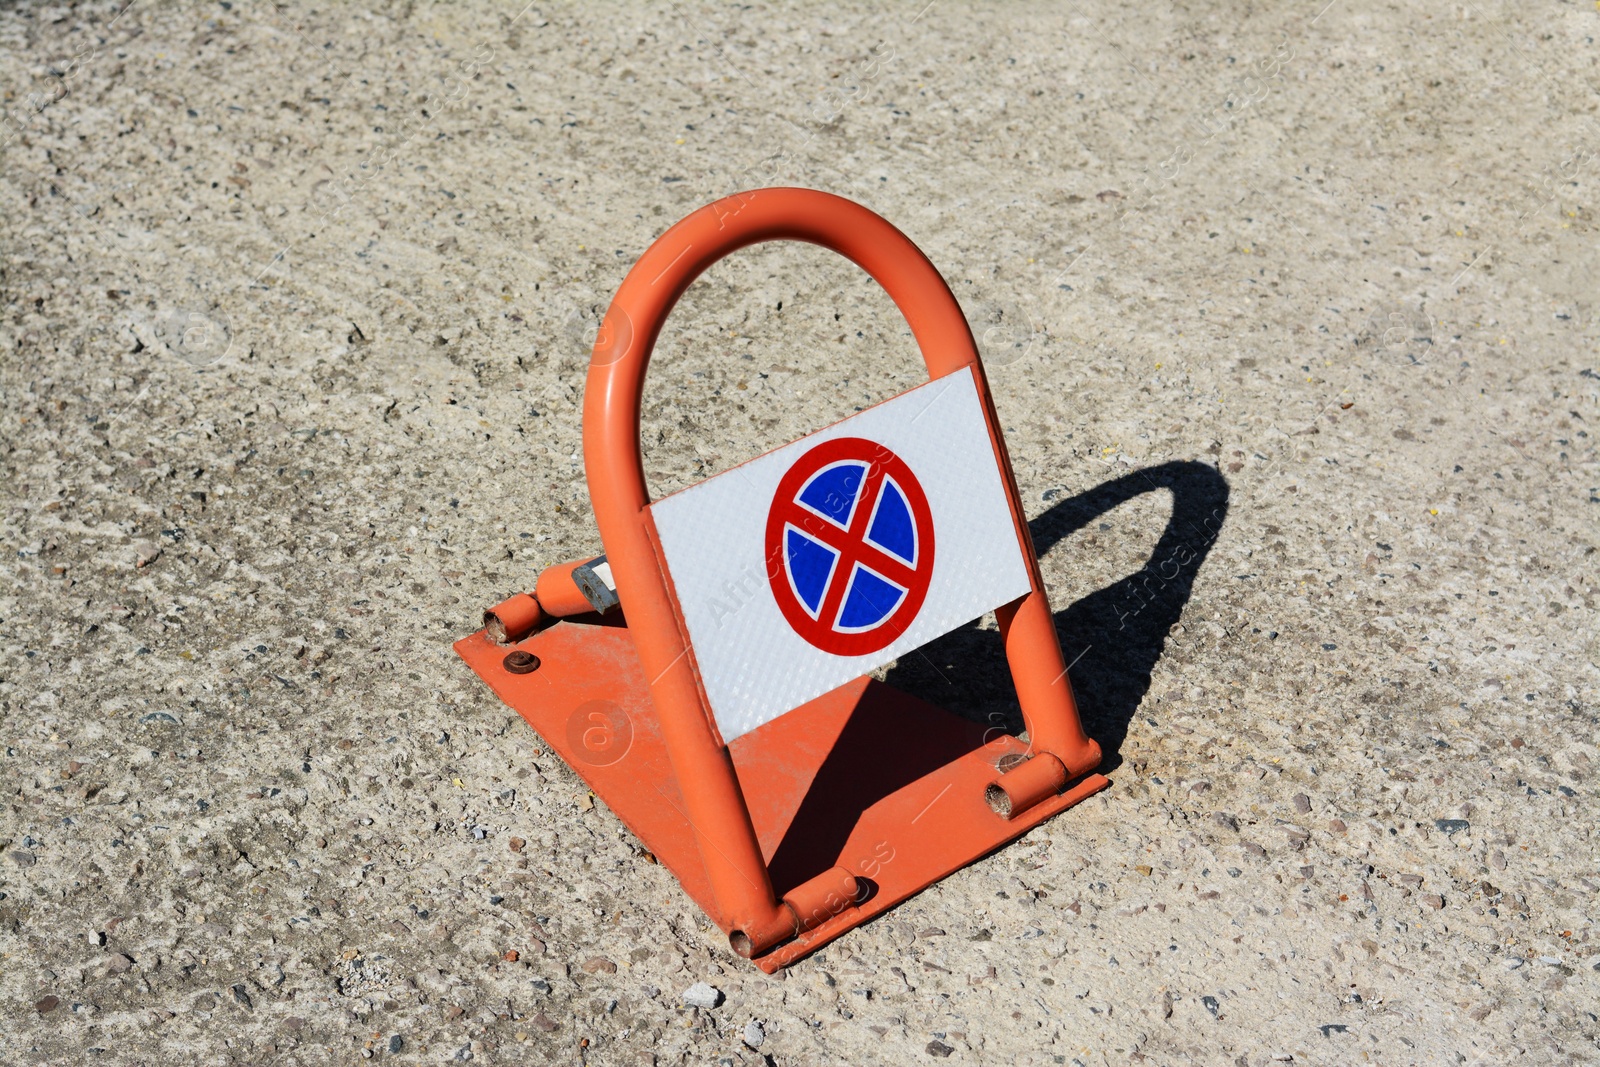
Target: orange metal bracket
x=836, y=811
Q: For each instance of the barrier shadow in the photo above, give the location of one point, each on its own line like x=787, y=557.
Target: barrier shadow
x=1112, y=637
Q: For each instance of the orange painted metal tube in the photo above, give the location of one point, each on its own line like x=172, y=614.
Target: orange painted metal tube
x=513, y=618
x=712, y=796
x=821, y=898
x=1026, y=784
x=558, y=594
x=804, y=907
x=1043, y=690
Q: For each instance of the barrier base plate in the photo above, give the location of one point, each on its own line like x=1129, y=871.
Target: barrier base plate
x=866, y=777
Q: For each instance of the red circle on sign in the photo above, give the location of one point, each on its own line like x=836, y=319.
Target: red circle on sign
x=850, y=546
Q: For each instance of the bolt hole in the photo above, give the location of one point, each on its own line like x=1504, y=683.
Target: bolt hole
x=1008, y=761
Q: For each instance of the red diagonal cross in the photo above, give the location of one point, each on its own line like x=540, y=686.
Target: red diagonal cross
x=852, y=544
x=877, y=463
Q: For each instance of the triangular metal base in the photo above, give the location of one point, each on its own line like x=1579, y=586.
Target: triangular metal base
x=867, y=778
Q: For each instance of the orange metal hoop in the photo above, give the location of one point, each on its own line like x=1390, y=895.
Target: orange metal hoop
x=625, y=706
x=617, y=487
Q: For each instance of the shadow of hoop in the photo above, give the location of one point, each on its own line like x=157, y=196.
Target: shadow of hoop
x=1112, y=637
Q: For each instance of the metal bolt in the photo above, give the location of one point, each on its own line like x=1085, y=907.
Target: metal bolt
x=520, y=662
x=1009, y=761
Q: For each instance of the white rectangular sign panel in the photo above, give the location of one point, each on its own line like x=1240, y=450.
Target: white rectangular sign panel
x=832, y=556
